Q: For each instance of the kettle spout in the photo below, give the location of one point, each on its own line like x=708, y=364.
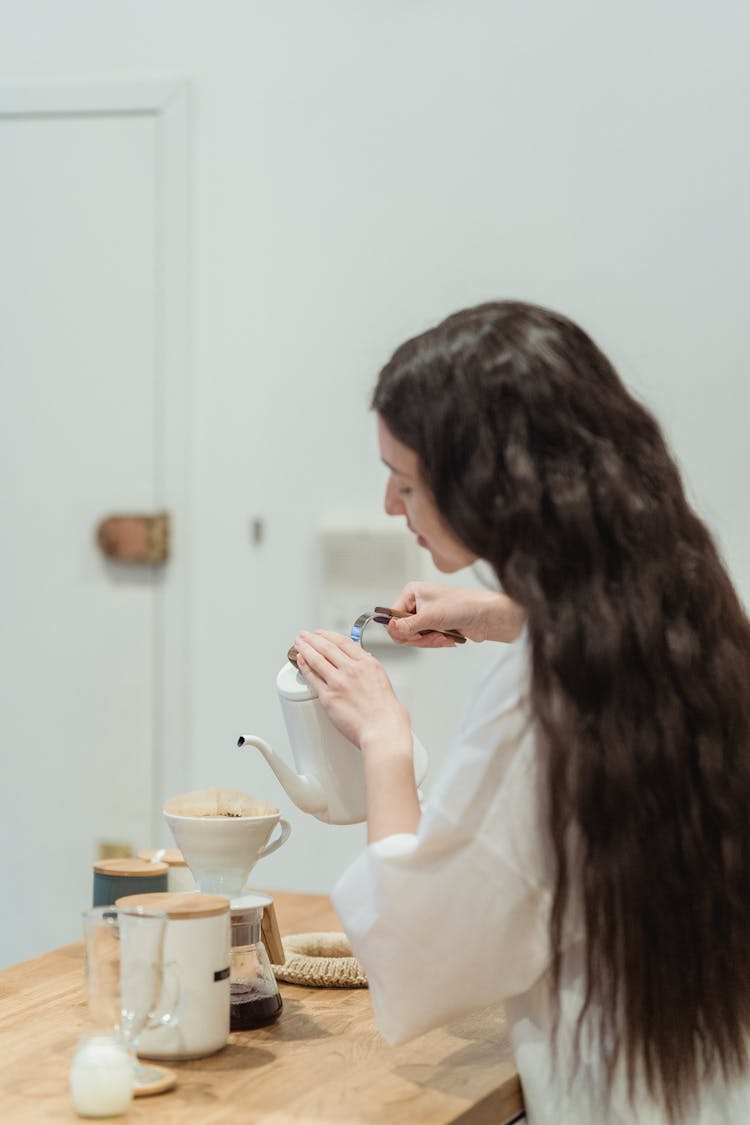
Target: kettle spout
x=306, y=792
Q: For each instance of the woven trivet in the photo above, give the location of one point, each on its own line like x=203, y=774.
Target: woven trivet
x=322, y=960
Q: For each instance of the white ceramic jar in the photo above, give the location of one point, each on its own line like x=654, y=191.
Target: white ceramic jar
x=179, y=875
x=196, y=975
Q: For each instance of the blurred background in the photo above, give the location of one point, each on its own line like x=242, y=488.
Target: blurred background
x=217, y=221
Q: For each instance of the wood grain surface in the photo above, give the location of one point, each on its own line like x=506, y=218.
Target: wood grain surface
x=322, y=1062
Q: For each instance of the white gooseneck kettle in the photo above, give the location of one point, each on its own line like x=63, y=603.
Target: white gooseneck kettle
x=329, y=779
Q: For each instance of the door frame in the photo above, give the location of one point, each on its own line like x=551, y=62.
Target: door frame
x=167, y=102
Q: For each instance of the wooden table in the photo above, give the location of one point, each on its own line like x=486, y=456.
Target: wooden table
x=322, y=1062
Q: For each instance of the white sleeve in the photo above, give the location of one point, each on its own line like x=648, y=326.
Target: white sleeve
x=456, y=917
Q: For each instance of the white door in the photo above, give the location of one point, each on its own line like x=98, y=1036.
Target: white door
x=91, y=222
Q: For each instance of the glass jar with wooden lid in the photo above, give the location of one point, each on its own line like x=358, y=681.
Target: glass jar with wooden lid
x=127, y=875
x=196, y=974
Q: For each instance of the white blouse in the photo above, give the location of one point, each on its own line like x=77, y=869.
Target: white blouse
x=479, y=865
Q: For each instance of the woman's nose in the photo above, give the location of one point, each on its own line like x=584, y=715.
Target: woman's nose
x=392, y=502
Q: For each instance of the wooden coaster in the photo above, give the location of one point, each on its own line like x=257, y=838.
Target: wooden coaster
x=166, y=1081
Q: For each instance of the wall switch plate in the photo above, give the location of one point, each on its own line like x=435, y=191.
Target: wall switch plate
x=363, y=565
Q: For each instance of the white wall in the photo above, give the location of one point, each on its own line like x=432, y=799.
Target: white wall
x=362, y=169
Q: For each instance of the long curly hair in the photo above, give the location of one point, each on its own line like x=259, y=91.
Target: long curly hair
x=544, y=465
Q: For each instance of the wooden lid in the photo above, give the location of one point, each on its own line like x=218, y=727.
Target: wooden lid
x=131, y=865
x=171, y=856
x=177, y=905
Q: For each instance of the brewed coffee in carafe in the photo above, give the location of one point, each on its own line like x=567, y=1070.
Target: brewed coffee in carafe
x=254, y=994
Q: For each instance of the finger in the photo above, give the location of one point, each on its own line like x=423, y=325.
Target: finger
x=344, y=644
x=420, y=640
x=432, y=640
x=332, y=647
x=313, y=659
x=317, y=641
x=312, y=679
x=406, y=602
x=406, y=628
x=400, y=632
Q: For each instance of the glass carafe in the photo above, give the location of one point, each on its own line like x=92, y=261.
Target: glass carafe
x=255, y=998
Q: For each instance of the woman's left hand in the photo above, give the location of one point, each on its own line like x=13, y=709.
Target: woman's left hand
x=353, y=688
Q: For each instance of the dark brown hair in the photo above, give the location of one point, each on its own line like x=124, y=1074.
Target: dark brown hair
x=543, y=464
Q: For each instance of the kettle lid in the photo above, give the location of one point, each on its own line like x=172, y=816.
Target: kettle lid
x=291, y=684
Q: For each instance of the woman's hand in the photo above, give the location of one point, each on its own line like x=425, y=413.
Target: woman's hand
x=481, y=615
x=353, y=688
x=358, y=698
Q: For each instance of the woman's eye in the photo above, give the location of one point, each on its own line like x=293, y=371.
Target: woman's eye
x=405, y=491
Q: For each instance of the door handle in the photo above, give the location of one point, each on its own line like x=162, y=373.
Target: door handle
x=135, y=539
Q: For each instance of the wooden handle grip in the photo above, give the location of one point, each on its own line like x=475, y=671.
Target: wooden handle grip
x=269, y=928
x=459, y=638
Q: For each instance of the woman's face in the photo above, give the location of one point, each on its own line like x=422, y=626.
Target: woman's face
x=407, y=495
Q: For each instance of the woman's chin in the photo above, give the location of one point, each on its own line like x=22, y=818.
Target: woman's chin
x=452, y=563
x=445, y=566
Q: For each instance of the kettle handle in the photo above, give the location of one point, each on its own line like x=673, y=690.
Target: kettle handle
x=272, y=845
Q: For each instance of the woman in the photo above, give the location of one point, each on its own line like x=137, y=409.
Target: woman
x=588, y=835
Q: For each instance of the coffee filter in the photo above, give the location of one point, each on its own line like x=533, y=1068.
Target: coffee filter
x=217, y=802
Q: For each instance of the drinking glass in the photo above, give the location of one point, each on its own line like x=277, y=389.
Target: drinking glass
x=124, y=976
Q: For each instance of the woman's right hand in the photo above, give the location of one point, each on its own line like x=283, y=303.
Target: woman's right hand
x=481, y=615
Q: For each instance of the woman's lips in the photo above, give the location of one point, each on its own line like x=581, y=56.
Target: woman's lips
x=420, y=540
